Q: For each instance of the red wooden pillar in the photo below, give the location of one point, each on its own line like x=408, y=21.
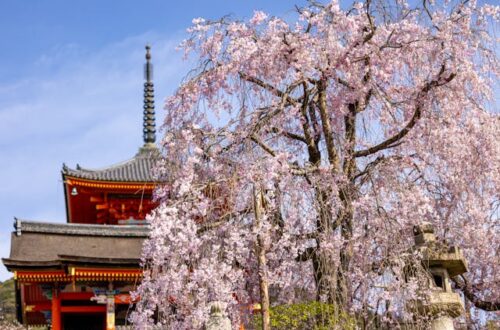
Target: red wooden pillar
x=56, y=309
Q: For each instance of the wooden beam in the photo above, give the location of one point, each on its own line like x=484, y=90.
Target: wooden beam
x=96, y=199
x=76, y=295
x=102, y=206
x=84, y=309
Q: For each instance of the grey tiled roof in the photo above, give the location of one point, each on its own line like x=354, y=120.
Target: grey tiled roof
x=137, y=169
x=38, y=244
x=26, y=226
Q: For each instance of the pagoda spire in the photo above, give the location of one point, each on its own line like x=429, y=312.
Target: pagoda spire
x=149, y=125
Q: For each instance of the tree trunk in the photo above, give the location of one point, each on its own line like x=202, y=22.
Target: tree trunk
x=262, y=263
x=324, y=271
x=346, y=223
x=346, y=215
x=324, y=277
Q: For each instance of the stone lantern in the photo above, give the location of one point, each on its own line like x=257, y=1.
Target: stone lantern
x=442, y=262
x=218, y=319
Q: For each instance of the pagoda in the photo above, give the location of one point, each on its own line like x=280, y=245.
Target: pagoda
x=79, y=275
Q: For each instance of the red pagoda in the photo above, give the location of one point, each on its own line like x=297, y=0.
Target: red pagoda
x=78, y=275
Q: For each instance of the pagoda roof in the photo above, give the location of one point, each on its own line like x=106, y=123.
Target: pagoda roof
x=52, y=245
x=27, y=226
x=137, y=169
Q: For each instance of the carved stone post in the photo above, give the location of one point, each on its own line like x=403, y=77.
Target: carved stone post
x=218, y=319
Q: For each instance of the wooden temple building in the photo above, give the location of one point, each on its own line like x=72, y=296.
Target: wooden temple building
x=78, y=274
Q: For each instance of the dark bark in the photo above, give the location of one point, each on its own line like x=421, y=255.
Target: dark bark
x=417, y=114
x=472, y=295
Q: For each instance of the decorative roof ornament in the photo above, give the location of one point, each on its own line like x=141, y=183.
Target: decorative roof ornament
x=149, y=125
x=138, y=168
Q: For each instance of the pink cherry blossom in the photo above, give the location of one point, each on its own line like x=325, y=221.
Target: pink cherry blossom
x=302, y=154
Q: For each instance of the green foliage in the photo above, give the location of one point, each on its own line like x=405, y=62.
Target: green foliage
x=7, y=300
x=311, y=315
x=492, y=325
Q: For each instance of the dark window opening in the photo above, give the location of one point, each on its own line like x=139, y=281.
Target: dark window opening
x=84, y=321
x=438, y=280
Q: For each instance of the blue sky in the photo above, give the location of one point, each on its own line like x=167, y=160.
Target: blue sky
x=71, y=88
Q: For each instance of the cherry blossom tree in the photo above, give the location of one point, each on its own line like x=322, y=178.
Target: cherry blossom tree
x=299, y=154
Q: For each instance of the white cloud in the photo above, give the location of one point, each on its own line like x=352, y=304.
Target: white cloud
x=77, y=107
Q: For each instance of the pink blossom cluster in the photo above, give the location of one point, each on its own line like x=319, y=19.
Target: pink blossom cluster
x=353, y=126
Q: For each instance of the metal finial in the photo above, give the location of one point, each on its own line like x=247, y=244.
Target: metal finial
x=149, y=125
x=148, y=67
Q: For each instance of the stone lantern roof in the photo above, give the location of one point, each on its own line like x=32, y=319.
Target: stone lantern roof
x=438, y=253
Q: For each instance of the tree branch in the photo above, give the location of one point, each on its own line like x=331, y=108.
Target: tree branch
x=309, y=123
x=306, y=255
x=289, y=135
x=268, y=87
x=264, y=146
x=206, y=226
x=294, y=169
x=325, y=122
x=471, y=295
x=416, y=116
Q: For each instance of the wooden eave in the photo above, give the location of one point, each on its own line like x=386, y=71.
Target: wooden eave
x=112, y=185
x=76, y=274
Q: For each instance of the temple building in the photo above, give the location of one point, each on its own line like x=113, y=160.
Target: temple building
x=79, y=275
